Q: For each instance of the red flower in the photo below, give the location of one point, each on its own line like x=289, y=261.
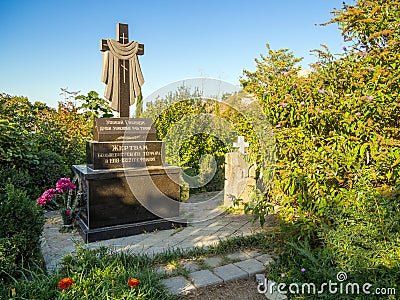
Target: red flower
x=133, y=282
x=65, y=283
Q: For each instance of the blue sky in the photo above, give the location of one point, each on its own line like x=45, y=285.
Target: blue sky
x=48, y=45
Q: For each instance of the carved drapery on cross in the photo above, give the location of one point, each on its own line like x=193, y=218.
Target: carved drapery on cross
x=121, y=70
x=111, y=70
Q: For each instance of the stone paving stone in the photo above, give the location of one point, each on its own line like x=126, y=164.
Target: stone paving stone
x=178, y=285
x=251, y=266
x=206, y=244
x=163, y=244
x=164, y=270
x=274, y=295
x=204, y=278
x=238, y=255
x=152, y=251
x=230, y=272
x=183, y=245
x=231, y=227
x=131, y=249
x=171, y=242
x=265, y=259
x=205, y=240
x=213, y=262
x=190, y=265
x=155, y=238
x=215, y=228
x=215, y=224
x=251, y=253
x=222, y=234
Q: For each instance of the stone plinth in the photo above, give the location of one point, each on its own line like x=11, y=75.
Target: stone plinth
x=124, y=154
x=127, y=129
x=122, y=202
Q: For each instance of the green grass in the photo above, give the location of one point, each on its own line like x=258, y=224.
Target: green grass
x=363, y=242
x=104, y=273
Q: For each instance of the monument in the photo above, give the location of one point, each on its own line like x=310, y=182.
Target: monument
x=126, y=187
x=240, y=175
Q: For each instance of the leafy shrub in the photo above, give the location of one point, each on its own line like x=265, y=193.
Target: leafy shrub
x=27, y=128
x=368, y=226
x=337, y=135
x=17, y=146
x=19, y=178
x=363, y=242
x=197, y=154
x=167, y=113
x=48, y=170
x=20, y=228
x=64, y=132
x=94, y=107
x=334, y=128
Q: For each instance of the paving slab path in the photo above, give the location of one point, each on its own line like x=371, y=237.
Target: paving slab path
x=208, y=224
x=222, y=271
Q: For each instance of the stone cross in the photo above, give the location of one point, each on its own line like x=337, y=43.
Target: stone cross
x=241, y=144
x=123, y=89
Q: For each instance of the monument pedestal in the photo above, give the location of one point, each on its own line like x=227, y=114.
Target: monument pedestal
x=123, y=202
x=126, y=187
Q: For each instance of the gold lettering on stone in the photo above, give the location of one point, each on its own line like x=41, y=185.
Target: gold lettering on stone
x=119, y=148
x=104, y=128
x=114, y=122
x=132, y=122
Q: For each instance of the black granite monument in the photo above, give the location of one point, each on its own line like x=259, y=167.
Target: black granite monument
x=126, y=187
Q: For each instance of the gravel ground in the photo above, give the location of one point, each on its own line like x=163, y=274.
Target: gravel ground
x=243, y=289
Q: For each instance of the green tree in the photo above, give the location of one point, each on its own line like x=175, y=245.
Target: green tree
x=167, y=113
x=94, y=107
x=337, y=127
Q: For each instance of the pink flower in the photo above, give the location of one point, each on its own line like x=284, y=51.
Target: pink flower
x=303, y=270
x=283, y=275
x=302, y=103
x=64, y=185
x=369, y=97
x=41, y=201
x=358, y=114
x=321, y=91
x=46, y=197
x=68, y=212
x=283, y=104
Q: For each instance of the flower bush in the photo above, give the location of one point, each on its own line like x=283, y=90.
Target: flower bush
x=61, y=197
x=336, y=182
x=64, y=185
x=335, y=128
